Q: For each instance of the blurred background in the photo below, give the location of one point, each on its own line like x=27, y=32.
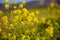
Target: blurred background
x=32, y=2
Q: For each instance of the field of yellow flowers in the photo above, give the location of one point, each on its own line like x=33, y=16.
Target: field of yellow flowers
x=24, y=24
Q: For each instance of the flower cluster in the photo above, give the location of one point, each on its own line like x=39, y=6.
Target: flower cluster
x=21, y=23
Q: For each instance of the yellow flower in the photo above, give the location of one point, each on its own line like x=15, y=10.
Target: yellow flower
x=1, y=13
x=4, y=17
x=15, y=19
x=21, y=17
x=28, y=31
x=50, y=31
x=14, y=7
x=6, y=6
x=56, y=24
x=43, y=38
x=37, y=12
x=32, y=14
x=11, y=25
x=25, y=14
x=25, y=10
x=36, y=20
x=4, y=35
x=49, y=22
x=52, y=5
x=37, y=38
x=20, y=5
x=43, y=19
x=9, y=34
x=14, y=37
x=24, y=2
x=19, y=11
x=14, y=11
x=29, y=18
x=25, y=37
x=5, y=20
x=33, y=30
x=22, y=22
x=0, y=30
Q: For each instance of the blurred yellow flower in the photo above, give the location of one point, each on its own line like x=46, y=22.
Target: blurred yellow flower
x=33, y=30
x=37, y=12
x=1, y=13
x=32, y=14
x=0, y=30
x=25, y=14
x=43, y=19
x=13, y=37
x=43, y=38
x=19, y=11
x=24, y=2
x=11, y=26
x=56, y=23
x=50, y=31
x=28, y=31
x=14, y=11
x=25, y=10
x=25, y=37
x=37, y=38
x=5, y=20
x=22, y=22
x=28, y=22
x=6, y=6
x=52, y=5
x=21, y=17
x=20, y=5
x=14, y=7
x=29, y=18
x=9, y=34
x=15, y=19
x=4, y=35
x=36, y=20
x=49, y=22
